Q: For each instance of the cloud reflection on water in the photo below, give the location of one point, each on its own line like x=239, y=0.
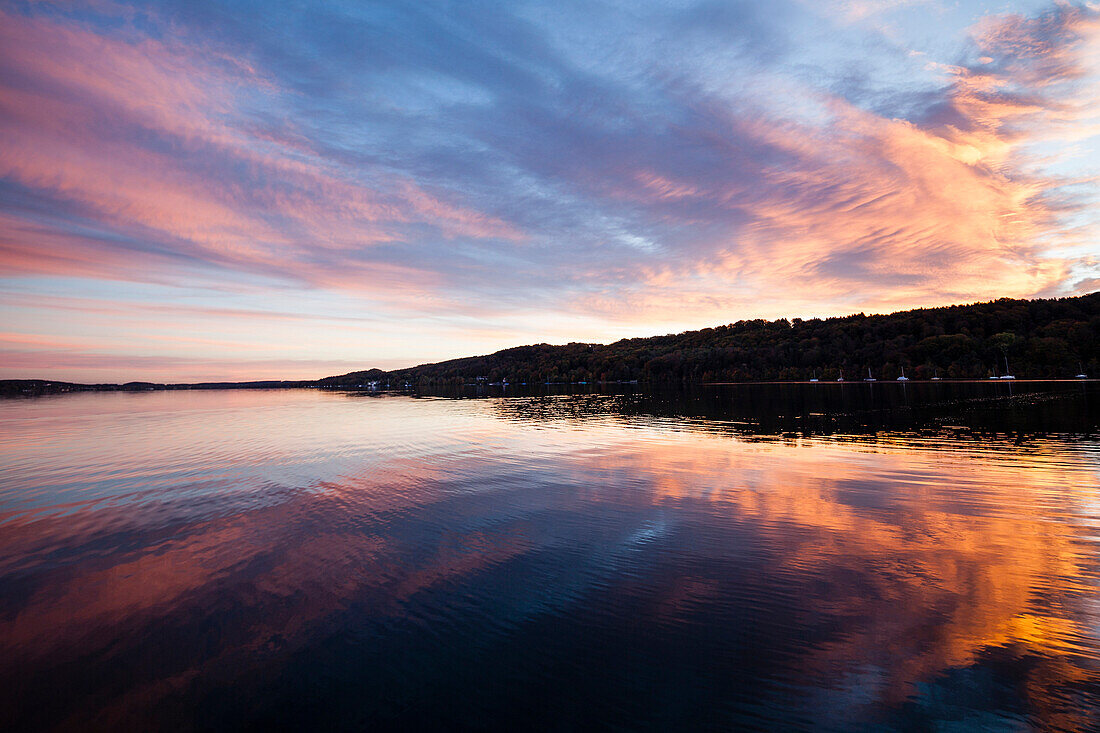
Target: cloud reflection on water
x=444, y=563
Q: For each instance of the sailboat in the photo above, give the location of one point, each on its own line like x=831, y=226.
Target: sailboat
x=869, y=378
x=903, y=378
x=841, y=377
x=814, y=377
x=1081, y=374
x=936, y=377
x=1007, y=374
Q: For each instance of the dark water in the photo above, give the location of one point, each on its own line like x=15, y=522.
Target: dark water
x=817, y=557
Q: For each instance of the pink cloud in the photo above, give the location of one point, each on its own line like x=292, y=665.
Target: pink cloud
x=60, y=134
x=172, y=159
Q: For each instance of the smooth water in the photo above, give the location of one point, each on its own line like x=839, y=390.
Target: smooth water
x=819, y=557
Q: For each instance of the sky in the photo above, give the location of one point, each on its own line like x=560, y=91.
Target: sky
x=195, y=190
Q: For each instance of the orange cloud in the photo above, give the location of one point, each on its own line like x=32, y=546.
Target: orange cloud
x=172, y=160
x=881, y=213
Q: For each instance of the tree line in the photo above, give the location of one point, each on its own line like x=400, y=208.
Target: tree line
x=1043, y=338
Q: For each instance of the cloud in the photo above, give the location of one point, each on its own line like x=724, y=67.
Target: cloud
x=145, y=149
x=861, y=208
x=664, y=167
x=858, y=10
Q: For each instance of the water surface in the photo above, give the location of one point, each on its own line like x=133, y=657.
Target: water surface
x=817, y=557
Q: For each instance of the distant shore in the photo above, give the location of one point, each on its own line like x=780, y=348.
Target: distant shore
x=1003, y=340
x=14, y=387
x=34, y=387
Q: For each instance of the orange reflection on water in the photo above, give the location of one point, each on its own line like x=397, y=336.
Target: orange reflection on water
x=941, y=552
x=919, y=555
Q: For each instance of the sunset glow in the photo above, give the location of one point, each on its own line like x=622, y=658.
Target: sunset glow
x=196, y=191
x=935, y=551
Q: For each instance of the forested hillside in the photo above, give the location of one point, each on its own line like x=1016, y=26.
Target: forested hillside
x=1054, y=338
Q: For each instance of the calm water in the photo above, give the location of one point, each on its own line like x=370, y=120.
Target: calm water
x=816, y=557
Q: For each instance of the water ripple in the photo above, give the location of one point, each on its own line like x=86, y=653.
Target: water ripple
x=733, y=559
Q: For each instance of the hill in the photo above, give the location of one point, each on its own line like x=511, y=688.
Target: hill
x=1044, y=338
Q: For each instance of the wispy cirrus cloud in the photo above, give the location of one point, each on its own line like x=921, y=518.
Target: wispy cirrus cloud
x=867, y=209
x=623, y=172
x=145, y=149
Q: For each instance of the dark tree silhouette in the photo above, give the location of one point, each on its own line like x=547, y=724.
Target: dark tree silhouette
x=1052, y=338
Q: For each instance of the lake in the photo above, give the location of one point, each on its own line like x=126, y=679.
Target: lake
x=760, y=557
